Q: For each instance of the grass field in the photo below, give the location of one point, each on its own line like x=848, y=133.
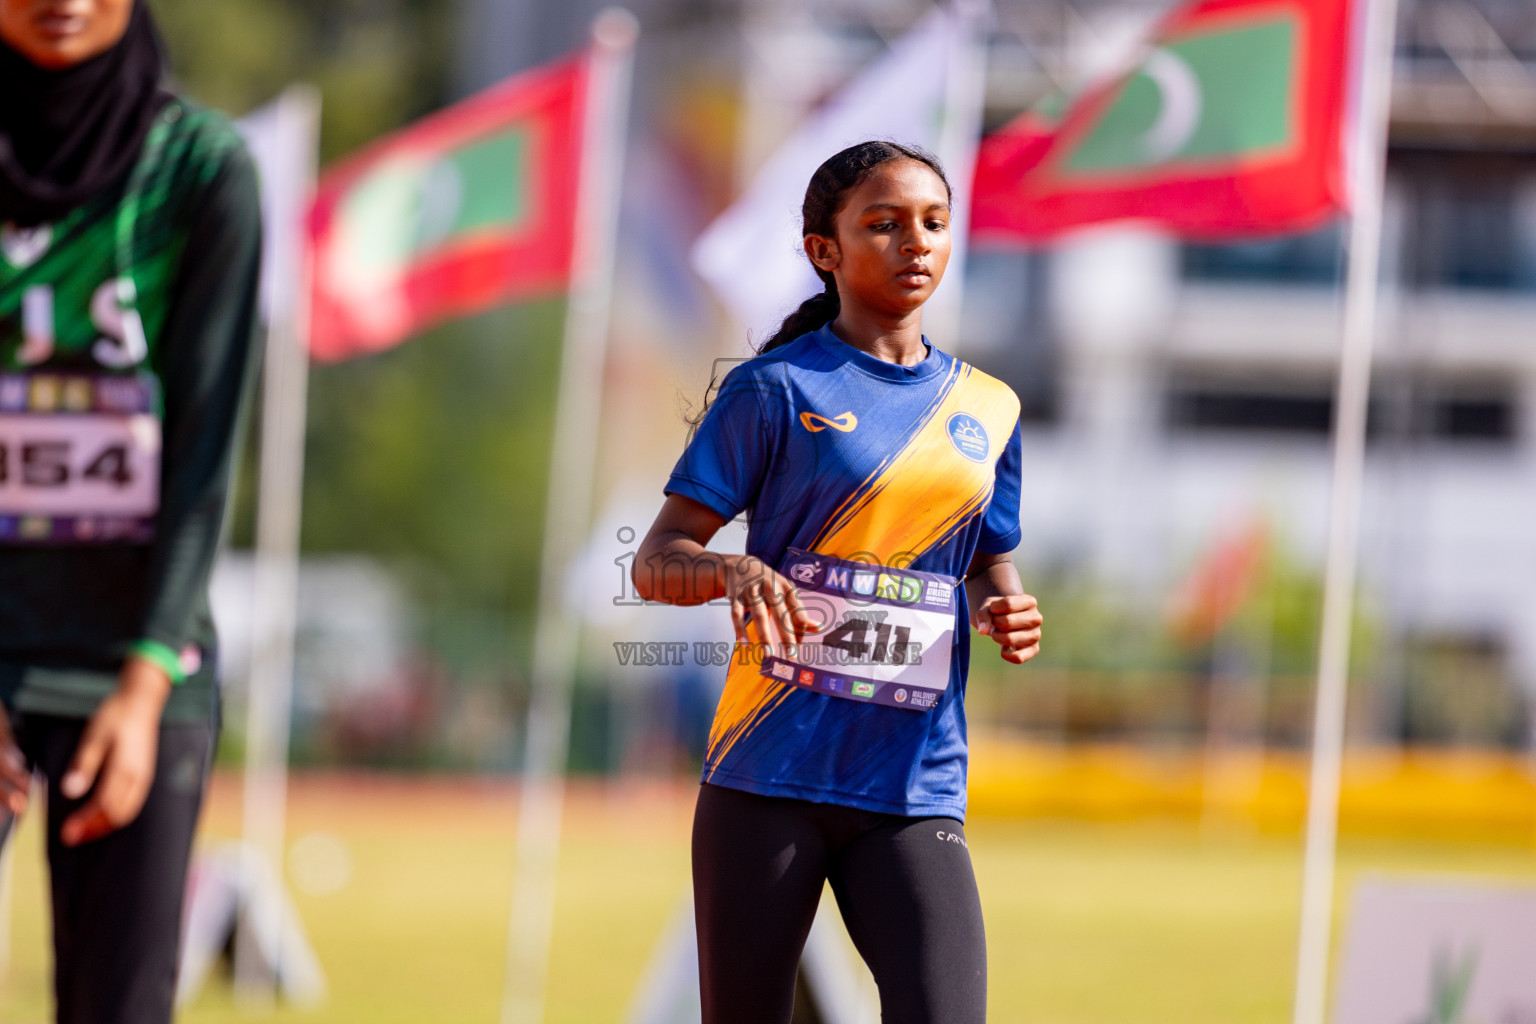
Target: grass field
x=1088, y=923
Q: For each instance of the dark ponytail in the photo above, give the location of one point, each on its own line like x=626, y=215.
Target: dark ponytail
x=812, y=314
x=828, y=190
x=839, y=174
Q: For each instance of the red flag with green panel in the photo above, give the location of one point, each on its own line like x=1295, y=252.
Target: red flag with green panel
x=1230, y=123
x=467, y=209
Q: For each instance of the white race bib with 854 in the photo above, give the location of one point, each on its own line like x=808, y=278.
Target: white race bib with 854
x=887, y=637
x=79, y=458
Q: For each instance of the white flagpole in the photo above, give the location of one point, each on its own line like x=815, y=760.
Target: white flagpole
x=573, y=453
x=964, y=97
x=285, y=385
x=1352, y=396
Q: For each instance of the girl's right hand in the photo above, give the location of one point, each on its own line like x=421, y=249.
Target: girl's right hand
x=772, y=601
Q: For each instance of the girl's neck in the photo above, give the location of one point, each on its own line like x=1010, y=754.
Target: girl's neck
x=898, y=341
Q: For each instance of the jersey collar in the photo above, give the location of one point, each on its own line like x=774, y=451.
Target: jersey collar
x=934, y=362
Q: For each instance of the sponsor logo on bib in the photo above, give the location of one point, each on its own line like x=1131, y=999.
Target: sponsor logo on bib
x=968, y=436
x=13, y=394
x=898, y=588
x=805, y=572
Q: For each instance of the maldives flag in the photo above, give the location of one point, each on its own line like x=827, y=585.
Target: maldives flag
x=466, y=209
x=1230, y=123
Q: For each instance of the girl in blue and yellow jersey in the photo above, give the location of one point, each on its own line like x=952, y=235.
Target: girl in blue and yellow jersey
x=880, y=477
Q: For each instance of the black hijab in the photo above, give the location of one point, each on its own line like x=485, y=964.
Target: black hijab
x=68, y=134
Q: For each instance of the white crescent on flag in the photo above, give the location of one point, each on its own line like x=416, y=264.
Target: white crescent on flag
x=1179, y=114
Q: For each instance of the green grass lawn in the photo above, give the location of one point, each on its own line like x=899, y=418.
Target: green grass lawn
x=1088, y=923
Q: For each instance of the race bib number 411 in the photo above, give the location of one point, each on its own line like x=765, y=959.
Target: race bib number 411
x=79, y=458
x=887, y=636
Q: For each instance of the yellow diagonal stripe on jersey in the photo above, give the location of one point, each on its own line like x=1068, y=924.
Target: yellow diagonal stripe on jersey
x=919, y=496
x=748, y=698
x=862, y=493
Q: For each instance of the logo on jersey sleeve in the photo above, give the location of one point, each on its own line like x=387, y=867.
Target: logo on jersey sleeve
x=816, y=423
x=969, y=437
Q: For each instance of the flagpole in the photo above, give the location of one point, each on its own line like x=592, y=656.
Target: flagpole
x=964, y=97
x=572, y=457
x=1351, y=404
x=285, y=388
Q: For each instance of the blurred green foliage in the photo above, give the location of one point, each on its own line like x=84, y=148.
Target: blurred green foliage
x=435, y=453
x=378, y=63
x=433, y=457
x=1111, y=664
x=1092, y=628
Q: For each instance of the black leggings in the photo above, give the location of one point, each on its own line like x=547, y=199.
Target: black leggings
x=904, y=886
x=117, y=900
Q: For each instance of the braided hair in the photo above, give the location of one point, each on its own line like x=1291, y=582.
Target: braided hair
x=828, y=190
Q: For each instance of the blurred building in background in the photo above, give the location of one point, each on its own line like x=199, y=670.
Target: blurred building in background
x=1181, y=390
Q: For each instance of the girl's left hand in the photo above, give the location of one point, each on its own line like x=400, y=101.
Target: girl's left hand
x=115, y=761
x=1014, y=621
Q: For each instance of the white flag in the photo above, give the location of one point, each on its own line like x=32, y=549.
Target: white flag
x=282, y=138
x=926, y=91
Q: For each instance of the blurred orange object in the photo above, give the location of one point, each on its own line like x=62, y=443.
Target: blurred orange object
x=1218, y=585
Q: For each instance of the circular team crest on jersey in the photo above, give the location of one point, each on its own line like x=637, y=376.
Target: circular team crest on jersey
x=968, y=436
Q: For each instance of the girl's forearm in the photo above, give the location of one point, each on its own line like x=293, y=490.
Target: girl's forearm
x=679, y=570
x=1000, y=578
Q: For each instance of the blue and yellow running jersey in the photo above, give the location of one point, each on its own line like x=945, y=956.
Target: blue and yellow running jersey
x=833, y=451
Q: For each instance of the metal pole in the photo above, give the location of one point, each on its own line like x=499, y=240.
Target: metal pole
x=568, y=506
x=285, y=385
x=1352, y=396
x=964, y=96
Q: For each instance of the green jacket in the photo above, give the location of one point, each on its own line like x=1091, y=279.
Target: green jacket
x=134, y=312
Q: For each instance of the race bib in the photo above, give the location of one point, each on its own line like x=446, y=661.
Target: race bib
x=79, y=458
x=888, y=635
